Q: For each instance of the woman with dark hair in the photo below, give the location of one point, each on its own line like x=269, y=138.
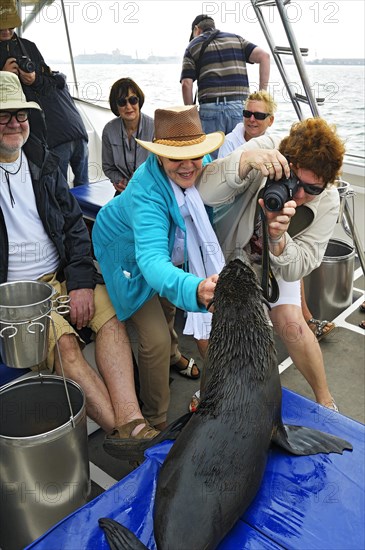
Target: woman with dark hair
x=121, y=154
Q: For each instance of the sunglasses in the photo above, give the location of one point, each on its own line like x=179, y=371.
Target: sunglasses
x=6, y=116
x=132, y=100
x=182, y=160
x=309, y=188
x=258, y=115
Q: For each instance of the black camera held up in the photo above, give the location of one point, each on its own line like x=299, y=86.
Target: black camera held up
x=21, y=57
x=278, y=192
x=25, y=64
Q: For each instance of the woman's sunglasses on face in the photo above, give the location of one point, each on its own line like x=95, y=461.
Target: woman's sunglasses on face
x=132, y=100
x=182, y=160
x=257, y=115
x=309, y=188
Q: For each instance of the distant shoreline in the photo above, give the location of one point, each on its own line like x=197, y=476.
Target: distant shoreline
x=110, y=59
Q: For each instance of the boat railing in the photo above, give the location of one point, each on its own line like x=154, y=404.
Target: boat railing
x=37, y=7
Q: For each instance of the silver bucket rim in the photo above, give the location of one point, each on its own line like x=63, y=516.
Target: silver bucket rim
x=343, y=257
x=13, y=283
x=55, y=433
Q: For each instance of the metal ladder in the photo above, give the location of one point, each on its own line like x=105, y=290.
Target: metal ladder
x=298, y=53
x=294, y=50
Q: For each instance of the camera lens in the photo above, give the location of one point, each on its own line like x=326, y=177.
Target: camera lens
x=26, y=64
x=275, y=196
x=273, y=203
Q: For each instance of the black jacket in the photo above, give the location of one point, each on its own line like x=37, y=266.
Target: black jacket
x=61, y=217
x=63, y=121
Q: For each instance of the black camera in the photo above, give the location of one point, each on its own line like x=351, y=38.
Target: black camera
x=25, y=64
x=278, y=192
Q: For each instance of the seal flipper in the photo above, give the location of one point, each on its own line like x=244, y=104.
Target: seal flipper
x=173, y=430
x=302, y=441
x=119, y=537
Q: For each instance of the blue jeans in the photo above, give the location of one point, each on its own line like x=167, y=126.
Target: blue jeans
x=221, y=116
x=76, y=154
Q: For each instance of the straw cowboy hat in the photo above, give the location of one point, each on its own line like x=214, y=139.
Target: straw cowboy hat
x=11, y=93
x=179, y=134
x=9, y=18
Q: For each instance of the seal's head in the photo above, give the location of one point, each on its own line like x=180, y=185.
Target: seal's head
x=237, y=284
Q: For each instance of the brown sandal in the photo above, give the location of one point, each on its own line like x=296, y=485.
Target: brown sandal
x=121, y=444
x=320, y=329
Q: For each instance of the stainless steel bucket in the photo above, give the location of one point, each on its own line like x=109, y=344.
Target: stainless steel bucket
x=43, y=457
x=24, y=322
x=328, y=289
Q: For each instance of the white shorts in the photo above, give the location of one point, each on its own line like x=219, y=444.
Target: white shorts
x=289, y=294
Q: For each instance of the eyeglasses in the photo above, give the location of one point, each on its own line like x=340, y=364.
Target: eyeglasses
x=309, y=188
x=182, y=160
x=132, y=100
x=6, y=116
x=257, y=115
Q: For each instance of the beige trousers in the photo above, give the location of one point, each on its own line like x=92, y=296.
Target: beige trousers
x=157, y=350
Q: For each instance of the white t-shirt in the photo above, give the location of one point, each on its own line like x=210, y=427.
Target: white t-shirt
x=31, y=251
x=232, y=141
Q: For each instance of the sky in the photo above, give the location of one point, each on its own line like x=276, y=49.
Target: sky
x=148, y=27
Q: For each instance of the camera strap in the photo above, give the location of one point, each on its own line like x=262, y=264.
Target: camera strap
x=22, y=47
x=269, y=283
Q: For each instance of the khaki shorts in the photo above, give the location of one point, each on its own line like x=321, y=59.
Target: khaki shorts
x=104, y=311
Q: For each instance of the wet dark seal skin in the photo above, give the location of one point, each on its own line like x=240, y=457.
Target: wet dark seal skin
x=215, y=468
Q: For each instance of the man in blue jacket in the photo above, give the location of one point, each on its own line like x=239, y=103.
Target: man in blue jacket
x=43, y=237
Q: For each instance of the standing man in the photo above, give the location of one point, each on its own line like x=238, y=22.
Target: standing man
x=217, y=61
x=66, y=134
x=43, y=237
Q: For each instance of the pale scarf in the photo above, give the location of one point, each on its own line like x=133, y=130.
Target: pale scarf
x=204, y=253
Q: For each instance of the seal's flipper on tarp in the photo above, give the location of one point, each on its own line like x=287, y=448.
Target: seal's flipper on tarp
x=172, y=431
x=302, y=441
x=119, y=537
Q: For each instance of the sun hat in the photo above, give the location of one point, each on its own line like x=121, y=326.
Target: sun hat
x=179, y=134
x=198, y=19
x=9, y=18
x=11, y=93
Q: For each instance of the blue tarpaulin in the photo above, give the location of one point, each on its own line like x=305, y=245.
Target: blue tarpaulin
x=312, y=502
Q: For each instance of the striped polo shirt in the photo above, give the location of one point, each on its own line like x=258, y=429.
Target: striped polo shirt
x=222, y=67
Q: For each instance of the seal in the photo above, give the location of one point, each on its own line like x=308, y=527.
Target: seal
x=215, y=468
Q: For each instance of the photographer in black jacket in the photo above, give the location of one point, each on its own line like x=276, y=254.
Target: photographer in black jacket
x=66, y=134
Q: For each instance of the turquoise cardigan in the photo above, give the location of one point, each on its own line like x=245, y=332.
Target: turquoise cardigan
x=133, y=238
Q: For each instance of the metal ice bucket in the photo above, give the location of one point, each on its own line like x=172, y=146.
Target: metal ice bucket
x=24, y=322
x=328, y=288
x=43, y=456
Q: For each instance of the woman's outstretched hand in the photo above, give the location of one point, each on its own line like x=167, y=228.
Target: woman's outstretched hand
x=206, y=290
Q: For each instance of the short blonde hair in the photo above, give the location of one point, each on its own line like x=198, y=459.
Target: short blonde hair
x=263, y=95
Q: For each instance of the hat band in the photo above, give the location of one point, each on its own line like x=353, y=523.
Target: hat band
x=180, y=143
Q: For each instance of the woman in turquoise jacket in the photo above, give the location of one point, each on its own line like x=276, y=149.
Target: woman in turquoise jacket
x=142, y=236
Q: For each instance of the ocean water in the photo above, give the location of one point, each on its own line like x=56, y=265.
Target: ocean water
x=342, y=87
